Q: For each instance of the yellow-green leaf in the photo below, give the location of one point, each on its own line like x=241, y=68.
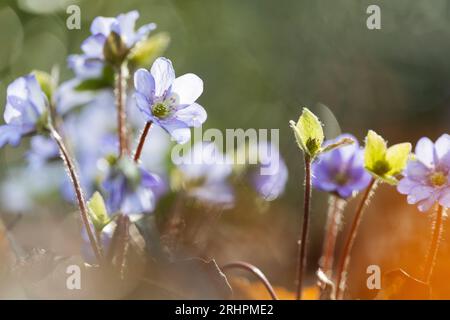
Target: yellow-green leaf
x=98, y=212
x=145, y=52
x=45, y=82
x=308, y=133
x=397, y=157
x=375, y=153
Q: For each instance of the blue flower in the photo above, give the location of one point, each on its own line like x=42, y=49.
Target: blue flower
x=130, y=189
x=427, y=177
x=270, y=177
x=25, y=111
x=123, y=25
x=341, y=170
x=205, y=172
x=169, y=102
x=42, y=150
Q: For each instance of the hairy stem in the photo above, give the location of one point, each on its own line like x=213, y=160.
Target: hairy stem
x=345, y=257
x=303, y=238
x=78, y=191
x=434, y=246
x=254, y=270
x=334, y=219
x=119, y=91
x=141, y=143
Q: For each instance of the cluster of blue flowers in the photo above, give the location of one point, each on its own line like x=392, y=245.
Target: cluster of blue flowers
x=83, y=117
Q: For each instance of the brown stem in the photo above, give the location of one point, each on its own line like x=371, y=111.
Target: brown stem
x=434, y=246
x=121, y=112
x=254, y=270
x=301, y=258
x=334, y=218
x=78, y=191
x=141, y=143
x=345, y=257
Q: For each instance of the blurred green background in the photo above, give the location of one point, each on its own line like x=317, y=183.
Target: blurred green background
x=261, y=60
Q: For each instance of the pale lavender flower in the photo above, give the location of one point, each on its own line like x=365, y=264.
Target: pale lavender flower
x=130, y=189
x=341, y=170
x=427, y=177
x=169, y=102
x=205, y=172
x=123, y=25
x=42, y=150
x=25, y=111
x=270, y=177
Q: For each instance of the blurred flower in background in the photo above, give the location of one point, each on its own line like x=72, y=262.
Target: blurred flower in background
x=341, y=170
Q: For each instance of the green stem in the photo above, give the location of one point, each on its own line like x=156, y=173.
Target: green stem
x=345, y=257
x=301, y=257
x=434, y=246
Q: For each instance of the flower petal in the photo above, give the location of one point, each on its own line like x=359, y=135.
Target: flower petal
x=417, y=171
x=419, y=193
x=178, y=130
x=163, y=74
x=442, y=147
x=424, y=151
x=444, y=199
x=405, y=185
x=102, y=25
x=10, y=134
x=193, y=115
x=93, y=46
x=144, y=83
x=188, y=87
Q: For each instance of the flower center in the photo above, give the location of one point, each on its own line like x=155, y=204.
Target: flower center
x=160, y=110
x=438, y=178
x=381, y=167
x=341, y=178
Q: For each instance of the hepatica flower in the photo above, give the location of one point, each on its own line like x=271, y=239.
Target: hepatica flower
x=168, y=101
x=427, y=176
x=270, y=177
x=25, y=111
x=112, y=38
x=130, y=189
x=341, y=170
x=204, y=174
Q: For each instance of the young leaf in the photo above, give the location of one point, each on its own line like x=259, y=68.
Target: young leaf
x=146, y=51
x=384, y=163
x=341, y=143
x=397, y=156
x=375, y=150
x=98, y=212
x=45, y=82
x=308, y=133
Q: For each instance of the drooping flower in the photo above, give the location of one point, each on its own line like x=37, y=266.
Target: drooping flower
x=270, y=175
x=130, y=189
x=341, y=170
x=204, y=174
x=25, y=111
x=168, y=101
x=426, y=179
x=122, y=26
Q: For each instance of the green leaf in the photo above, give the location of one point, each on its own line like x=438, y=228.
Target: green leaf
x=397, y=157
x=98, y=212
x=146, y=51
x=308, y=133
x=375, y=153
